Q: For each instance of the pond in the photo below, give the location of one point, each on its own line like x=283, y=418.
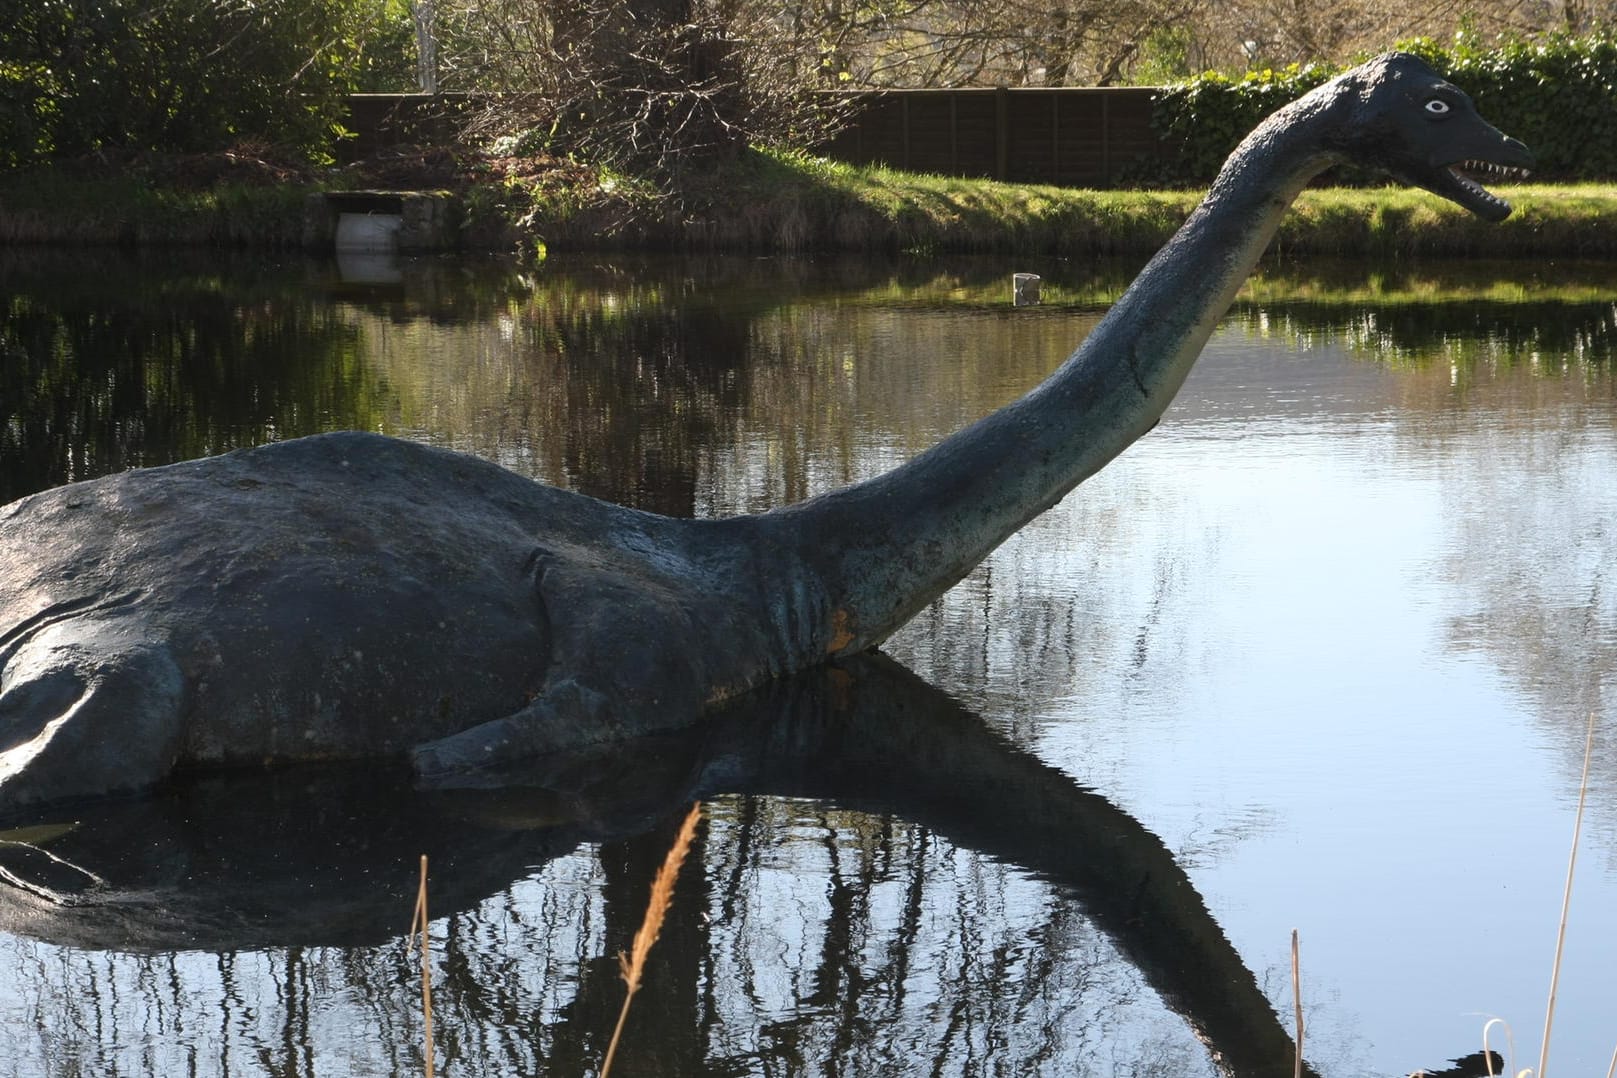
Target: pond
x=1318, y=653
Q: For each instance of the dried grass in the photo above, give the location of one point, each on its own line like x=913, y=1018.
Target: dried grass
x=1560, y=937
x=633, y=964
x=1566, y=898
x=418, y=930
x=1297, y=1001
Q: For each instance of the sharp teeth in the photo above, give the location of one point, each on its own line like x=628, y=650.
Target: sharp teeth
x=1493, y=171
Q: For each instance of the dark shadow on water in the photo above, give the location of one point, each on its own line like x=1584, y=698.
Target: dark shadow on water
x=326, y=856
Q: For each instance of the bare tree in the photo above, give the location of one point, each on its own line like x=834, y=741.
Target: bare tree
x=1236, y=34
x=656, y=86
x=920, y=43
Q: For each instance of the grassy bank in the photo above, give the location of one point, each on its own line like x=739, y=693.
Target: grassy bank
x=802, y=204
x=768, y=203
x=45, y=206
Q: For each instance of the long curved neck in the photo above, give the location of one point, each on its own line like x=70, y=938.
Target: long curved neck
x=887, y=547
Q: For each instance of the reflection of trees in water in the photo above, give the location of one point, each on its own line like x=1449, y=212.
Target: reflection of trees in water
x=114, y=361
x=813, y=942
x=846, y=390
x=1513, y=389
x=691, y=386
x=615, y=388
x=85, y=390
x=729, y=395
x=1093, y=601
x=916, y=958
x=110, y=361
x=888, y=888
x=1576, y=340
x=1536, y=564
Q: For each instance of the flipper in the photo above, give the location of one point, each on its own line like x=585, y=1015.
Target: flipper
x=568, y=714
x=84, y=713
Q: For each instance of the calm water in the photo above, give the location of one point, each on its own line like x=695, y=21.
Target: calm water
x=1317, y=654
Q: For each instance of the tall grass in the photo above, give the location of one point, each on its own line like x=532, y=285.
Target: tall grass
x=418, y=929
x=1297, y=1001
x=633, y=965
x=1560, y=935
x=43, y=206
x=1566, y=898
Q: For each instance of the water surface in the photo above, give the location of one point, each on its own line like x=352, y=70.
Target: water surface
x=1317, y=654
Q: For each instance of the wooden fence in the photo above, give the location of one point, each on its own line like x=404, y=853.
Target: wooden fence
x=1077, y=137
x=381, y=121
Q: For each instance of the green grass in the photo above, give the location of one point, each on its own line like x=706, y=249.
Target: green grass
x=1571, y=221
x=841, y=206
x=791, y=202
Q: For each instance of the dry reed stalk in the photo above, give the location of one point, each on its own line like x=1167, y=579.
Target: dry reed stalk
x=1297, y=1003
x=633, y=964
x=1566, y=897
x=1487, y=1050
x=418, y=922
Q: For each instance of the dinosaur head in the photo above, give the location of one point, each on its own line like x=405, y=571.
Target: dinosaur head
x=1424, y=131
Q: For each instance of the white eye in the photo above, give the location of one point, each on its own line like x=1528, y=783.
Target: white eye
x=1437, y=106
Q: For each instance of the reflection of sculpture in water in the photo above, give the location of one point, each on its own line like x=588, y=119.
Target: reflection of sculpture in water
x=229, y=866
x=349, y=595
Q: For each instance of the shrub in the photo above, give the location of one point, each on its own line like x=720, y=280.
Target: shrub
x=82, y=76
x=1558, y=94
x=1201, y=120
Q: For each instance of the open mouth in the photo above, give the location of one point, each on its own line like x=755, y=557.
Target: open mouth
x=1473, y=196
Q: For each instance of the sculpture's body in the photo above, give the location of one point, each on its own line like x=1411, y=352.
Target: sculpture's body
x=350, y=594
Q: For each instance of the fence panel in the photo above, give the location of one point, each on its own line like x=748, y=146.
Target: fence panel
x=1077, y=137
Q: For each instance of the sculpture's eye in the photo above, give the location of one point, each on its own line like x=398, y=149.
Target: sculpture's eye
x=1437, y=106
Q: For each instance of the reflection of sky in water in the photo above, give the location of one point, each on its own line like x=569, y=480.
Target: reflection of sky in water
x=1350, y=651
x=1331, y=631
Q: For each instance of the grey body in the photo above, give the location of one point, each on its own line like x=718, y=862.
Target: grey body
x=349, y=594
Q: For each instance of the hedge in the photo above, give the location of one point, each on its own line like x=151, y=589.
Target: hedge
x=1558, y=94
